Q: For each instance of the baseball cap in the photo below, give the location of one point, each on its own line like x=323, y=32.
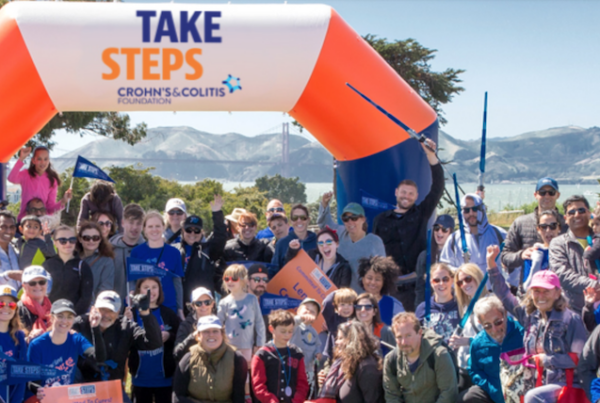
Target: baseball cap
x=314, y=301
x=547, y=182
x=445, y=221
x=109, y=300
x=257, y=268
x=8, y=291
x=33, y=272
x=545, y=279
x=63, y=305
x=200, y=291
x=354, y=208
x=193, y=221
x=175, y=203
x=208, y=322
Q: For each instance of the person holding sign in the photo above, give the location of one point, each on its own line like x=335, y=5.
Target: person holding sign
x=60, y=348
x=165, y=257
x=39, y=180
x=12, y=340
x=212, y=370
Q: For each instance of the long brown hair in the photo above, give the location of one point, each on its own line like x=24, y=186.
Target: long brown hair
x=374, y=302
x=463, y=299
x=359, y=345
x=52, y=174
x=113, y=227
x=104, y=248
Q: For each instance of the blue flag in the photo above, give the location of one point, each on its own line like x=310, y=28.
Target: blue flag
x=272, y=302
x=13, y=371
x=137, y=269
x=371, y=202
x=85, y=169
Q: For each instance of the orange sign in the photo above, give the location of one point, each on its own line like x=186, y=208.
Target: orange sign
x=301, y=278
x=99, y=392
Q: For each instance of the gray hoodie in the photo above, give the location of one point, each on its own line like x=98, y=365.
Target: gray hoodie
x=122, y=252
x=103, y=270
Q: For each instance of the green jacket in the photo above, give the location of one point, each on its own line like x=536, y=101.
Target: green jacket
x=425, y=385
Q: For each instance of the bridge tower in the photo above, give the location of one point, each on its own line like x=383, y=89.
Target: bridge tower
x=285, y=150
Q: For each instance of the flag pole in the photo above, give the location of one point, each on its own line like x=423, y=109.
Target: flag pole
x=70, y=188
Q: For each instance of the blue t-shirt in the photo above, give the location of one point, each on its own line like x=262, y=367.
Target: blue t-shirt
x=8, y=347
x=527, y=264
x=63, y=357
x=170, y=259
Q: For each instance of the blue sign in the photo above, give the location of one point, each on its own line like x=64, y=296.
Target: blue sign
x=85, y=169
x=13, y=371
x=273, y=302
x=137, y=269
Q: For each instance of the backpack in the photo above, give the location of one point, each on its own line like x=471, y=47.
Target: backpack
x=451, y=352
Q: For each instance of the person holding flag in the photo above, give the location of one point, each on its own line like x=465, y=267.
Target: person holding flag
x=101, y=198
x=12, y=341
x=86, y=169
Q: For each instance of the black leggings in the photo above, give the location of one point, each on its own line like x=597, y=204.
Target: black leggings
x=474, y=395
x=145, y=395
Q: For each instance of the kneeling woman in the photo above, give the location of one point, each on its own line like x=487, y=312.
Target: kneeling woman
x=60, y=348
x=212, y=371
x=12, y=341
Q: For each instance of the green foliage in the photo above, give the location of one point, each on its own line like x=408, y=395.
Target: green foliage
x=288, y=190
x=14, y=208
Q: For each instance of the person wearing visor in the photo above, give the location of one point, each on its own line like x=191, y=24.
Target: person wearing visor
x=212, y=371
x=199, y=254
x=12, y=341
x=202, y=304
x=34, y=306
x=355, y=243
x=175, y=215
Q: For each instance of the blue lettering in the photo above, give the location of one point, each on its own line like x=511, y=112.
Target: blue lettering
x=186, y=26
x=166, y=27
x=119, y=92
x=129, y=91
x=300, y=291
x=194, y=92
x=185, y=92
x=147, y=92
x=168, y=91
x=146, y=15
x=221, y=92
x=283, y=292
x=138, y=92
x=210, y=26
x=156, y=92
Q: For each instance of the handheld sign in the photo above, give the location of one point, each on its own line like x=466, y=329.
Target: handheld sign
x=14, y=371
x=271, y=302
x=428, y=278
x=461, y=226
x=106, y=392
x=137, y=269
x=482, y=156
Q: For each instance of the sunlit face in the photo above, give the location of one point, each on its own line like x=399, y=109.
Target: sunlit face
x=68, y=248
x=154, y=229
x=90, y=239
x=596, y=225
x=327, y=246
x=175, y=217
x=406, y=196
x=63, y=322
x=108, y=317
x=8, y=229
x=210, y=339
x=340, y=340
x=308, y=308
x=345, y=309
x=283, y=334
x=37, y=291
x=247, y=230
x=545, y=228
x=154, y=290
x=577, y=215
x=258, y=283
x=31, y=229
x=470, y=216
x=365, y=311
x=354, y=224
x=41, y=161
x=373, y=282
x=274, y=207
x=300, y=221
x=441, y=281
x=468, y=283
x=191, y=235
x=441, y=235
x=6, y=312
x=544, y=299
x=279, y=228
x=132, y=229
x=37, y=208
x=233, y=284
x=407, y=339
x=203, y=309
x=494, y=324
x=105, y=224
x=549, y=198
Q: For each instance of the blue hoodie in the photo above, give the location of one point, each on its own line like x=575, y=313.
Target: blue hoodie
x=282, y=246
x=484, y=362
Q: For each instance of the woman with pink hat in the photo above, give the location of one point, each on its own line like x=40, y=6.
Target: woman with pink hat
x=553, y=333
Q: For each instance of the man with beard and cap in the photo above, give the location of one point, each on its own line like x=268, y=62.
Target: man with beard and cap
x=257, y=285
x=479, y=234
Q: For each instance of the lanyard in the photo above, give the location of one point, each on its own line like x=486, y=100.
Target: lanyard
x=286, y=375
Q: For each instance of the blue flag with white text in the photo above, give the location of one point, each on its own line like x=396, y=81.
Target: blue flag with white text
x=85, y=169
x=14, y=371
x=137, y=269
x=272, y=302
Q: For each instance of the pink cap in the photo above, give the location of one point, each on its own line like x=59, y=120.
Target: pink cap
x=545, y=279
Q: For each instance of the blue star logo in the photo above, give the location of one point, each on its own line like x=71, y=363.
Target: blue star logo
x=230, y=85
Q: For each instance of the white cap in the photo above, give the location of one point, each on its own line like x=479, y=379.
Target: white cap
x=33, y=272
x=208, y=322
x=175, y=203
x=109, y=300
x=200, y=291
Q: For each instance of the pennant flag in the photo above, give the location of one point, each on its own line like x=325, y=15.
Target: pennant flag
x=137, y=269
x=85, y=169
x=372, y=202
x=13, y=371
x=272, y=302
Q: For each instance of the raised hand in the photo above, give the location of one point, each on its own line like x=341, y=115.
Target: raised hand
x=217, y=203
x=326, y=199
x=24, y=153
x=95, y=317
x=295, y=244
x=491, y=255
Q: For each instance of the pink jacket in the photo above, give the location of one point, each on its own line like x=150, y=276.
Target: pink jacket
x=39, y=186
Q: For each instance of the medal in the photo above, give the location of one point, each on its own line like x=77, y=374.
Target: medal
x=288, y=391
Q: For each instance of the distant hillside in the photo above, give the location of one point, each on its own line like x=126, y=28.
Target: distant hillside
x=569, y=154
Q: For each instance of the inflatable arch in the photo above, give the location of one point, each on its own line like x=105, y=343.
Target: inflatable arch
x=63, y=56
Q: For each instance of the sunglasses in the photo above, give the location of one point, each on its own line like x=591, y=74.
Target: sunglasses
x=227, y=279
x=352, y=217
x=259, y=279
x=466, y=280
x=205, y=303
x=105, y=223
x=497, y=323
x=299, y=217
x=547, y=192
x=467, y=210
x=275, y=210
x=40, y=282
x=34, y=210
x=580, y=210
x=193, y=230
x=326, y=242
x=368, y=307
x=175, y=212
x=246, y=225
x=64, y=241
x=444, y=279
x=551, y=226
x=11, y=305
x=88, y=238
x=437, y=228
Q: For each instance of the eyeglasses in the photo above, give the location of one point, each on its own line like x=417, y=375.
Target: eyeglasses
x=368, y=307
x=228, y=279
x=437, y=228
x=193, y=230
x=551, y=226
x=205, y=303
x=276, y=210
x=11, y=305
x=105, y=223
x=40, y=282
x=497, y=323
x=466, y=280
x=34, y=210
x=299, y=217
x=64, y=241
x=246, y=225
x=467, y=210
x=547, y=192
x=259, y=279
x=580, y=210
x=325, y=242
x=352, y=217
x=175, y=212
x=88, y=238
x=444, y=279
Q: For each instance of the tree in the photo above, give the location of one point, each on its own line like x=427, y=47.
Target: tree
x=288, y=190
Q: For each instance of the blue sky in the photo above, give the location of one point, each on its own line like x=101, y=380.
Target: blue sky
x=538, y=60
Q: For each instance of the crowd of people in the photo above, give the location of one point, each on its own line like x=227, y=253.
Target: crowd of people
x=513, y=320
